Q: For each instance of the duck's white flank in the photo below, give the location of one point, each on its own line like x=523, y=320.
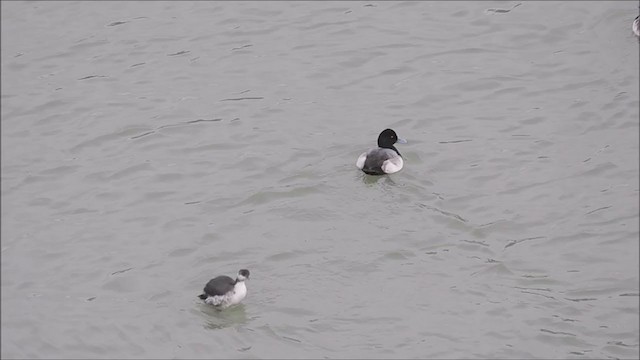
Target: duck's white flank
x=231, y=298
x=392, y=165
x=361, y=160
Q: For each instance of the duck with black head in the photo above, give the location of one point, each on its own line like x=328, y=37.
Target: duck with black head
x=223, y=291
x=385, y=159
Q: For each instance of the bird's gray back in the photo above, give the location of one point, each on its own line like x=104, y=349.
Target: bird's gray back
x=376, y=157
x=219, y=285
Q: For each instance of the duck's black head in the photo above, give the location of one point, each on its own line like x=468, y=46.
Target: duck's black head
x=243, y=274
x=387, y=138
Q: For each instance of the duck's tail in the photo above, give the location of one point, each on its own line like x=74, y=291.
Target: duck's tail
x=203, y=296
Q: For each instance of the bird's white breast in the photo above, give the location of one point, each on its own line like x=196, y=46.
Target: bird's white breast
x=233, y=297
x=239, y=293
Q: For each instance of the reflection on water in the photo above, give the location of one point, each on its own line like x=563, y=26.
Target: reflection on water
x=375, y=179
x=216, y=319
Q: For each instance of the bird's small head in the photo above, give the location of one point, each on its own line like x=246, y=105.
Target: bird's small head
x=243, y=275
x=388, y=137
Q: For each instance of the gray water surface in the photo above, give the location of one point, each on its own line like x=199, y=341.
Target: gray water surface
x=150, y=146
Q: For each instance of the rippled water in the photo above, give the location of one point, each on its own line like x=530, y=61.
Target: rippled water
x=149, y=146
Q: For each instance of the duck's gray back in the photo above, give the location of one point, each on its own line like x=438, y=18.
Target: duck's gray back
x=219, y=285
x=375, y=158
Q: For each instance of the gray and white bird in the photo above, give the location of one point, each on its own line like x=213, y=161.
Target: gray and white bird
x=223, y=291
x=385, y=159
x=636, y=26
